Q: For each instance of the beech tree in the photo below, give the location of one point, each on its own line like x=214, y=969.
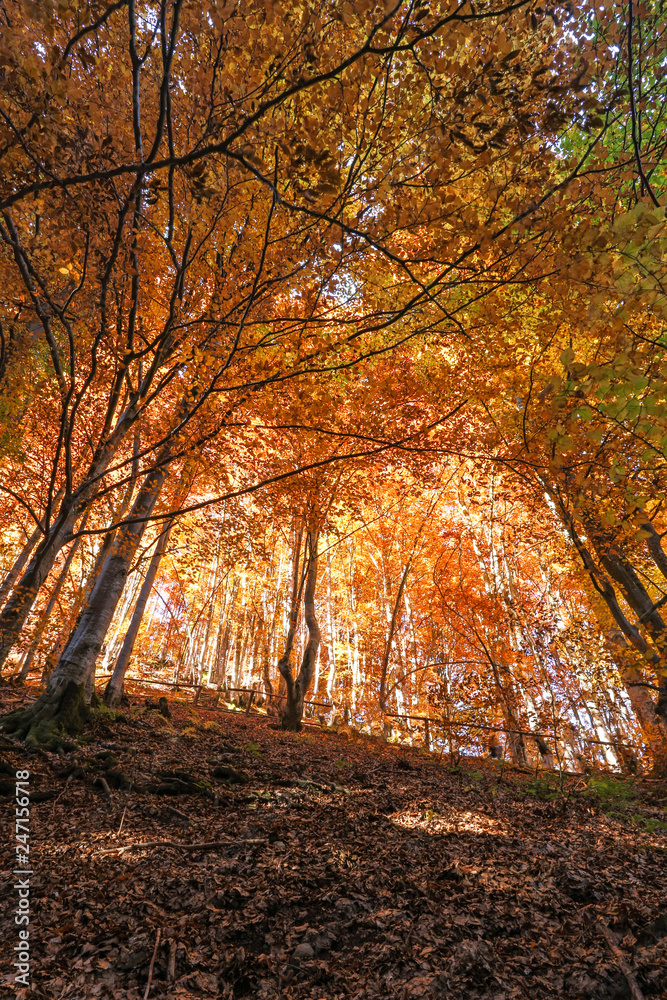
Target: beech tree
x=316, y=261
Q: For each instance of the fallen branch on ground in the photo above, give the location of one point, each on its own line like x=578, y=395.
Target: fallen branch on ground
x=204, y=846
x=150, y=971
x=177, y=812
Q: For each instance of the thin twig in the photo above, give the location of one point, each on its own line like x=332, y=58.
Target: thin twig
x=150, y=971
x=177, y=812
x=127, y=800
x=645, y=184
x=210, y=845
x=59, y=796
x=622, y=964
x=122, y=820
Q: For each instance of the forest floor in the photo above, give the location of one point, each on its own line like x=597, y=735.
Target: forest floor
x=331, y=866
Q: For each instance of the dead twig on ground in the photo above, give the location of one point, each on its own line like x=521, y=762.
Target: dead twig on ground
x=203, y=846
x=122, y=820
x=610, y=938
x=150, y=971
x=177, y=812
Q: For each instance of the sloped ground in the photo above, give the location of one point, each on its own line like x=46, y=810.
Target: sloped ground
x=343, y=867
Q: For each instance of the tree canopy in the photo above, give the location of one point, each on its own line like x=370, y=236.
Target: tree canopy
x=333, y=365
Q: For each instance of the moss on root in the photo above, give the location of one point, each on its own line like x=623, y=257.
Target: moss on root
x=48, y=721
x=101, y=711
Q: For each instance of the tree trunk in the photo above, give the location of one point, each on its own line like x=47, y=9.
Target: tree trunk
x=298, y=688
x=114, y=688
x=207, y=664
x=654, y=545
x=46, y=613
x=331, y=649
x=506, y=696
x=18, y=607
x=641, y=702
x=79, y=657
x=25, y=592
x=113, y=642
x=13, y=574
x=295, y=602
x=636, y=596
x=224, y=634
x=93, y=576
x=384, y=669
x=63, y=704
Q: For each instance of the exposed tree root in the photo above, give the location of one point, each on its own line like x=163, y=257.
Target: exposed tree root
x=230, y=774
x=49, y=720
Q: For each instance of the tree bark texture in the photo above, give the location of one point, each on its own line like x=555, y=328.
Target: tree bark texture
x=384, y=670
x=114, y=689
x=297, y=688
x=79, y=657
x=636, y=595
x=46, y=613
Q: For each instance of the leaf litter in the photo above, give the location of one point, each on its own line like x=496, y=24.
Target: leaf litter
x=225, y=858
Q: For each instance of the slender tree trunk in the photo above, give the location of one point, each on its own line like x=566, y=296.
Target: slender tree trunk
x=18, y=606
x=600, y=729
x=297, y=689
x=25, y=592
x=17, y=568
x=78, y=659
x=273, y=703
x=207, y=664
x=114, y=688
x=654, y=546
x=295, y=602
x=46, y=613
x=642, y=704
x=239, y=651
x=113, y=642
x=14, y=572
x=332, y=631
x=266, y=675
x=384, y=669
x=635, y=594
x=222, y=658
x=515, y=738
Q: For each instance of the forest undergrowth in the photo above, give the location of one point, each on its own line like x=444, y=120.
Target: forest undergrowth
x=199, y=853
